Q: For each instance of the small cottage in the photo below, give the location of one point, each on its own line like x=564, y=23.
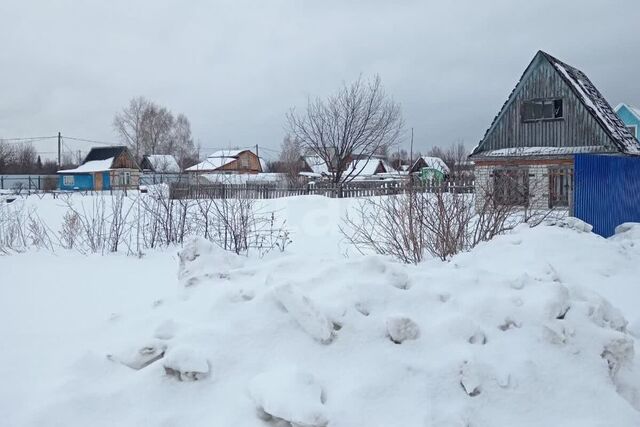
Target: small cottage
x=104, y=168
x=430, y=169
x=526, y=157
x=160, y=163
x=363, y=168
x=229, y=162
x=630, y=116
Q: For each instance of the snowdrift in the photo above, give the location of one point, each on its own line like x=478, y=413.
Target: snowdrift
x=510, y=334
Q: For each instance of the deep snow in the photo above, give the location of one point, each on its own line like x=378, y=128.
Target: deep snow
x=513, y=333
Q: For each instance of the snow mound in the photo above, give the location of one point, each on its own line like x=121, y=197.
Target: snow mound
x=305, y=313
x=515, y=323
x=289, y=395
x=575, y=224
x=186, y=364
x=201, y=260
x=401, y=329
x=138, y=357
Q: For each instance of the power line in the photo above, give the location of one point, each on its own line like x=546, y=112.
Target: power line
x=89, y=140
x=33, y=138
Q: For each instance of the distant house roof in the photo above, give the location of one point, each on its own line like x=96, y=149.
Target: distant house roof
x=226, y=153
x=102, y=153
x=161, y=163
x=368, y=167
x=91, y=166
x=317, y=165
x=590, y=97
x=219, y=159
x=100, y=159
x=435, y=163
x=633, y=110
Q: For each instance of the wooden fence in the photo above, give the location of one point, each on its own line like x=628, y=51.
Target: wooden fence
x=352, y=189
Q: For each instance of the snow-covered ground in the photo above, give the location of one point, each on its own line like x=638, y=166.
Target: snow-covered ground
x=513, y=333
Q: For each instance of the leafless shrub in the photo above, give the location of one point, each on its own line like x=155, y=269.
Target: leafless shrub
x=440, y=224
x=386, y=226
x=13, y=237
x=21, y=229
x=70, y=230
x=93, y=223
x=118, y=220
x=38, y=233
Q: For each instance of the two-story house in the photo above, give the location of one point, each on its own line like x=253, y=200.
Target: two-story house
x=527, y=155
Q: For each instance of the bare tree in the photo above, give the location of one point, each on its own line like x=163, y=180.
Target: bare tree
x=148, y=128
x=185, y=150
x=290, y=158
x=157, y=129
x=356, y=122
x=129, y=124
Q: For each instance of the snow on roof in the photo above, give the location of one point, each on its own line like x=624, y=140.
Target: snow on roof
x=595, y=102
x=91, y=166
x=366, y=167
x=435, y=163
x=317, y=165
x=226, y=153
x=541, y=151
x=163, y=163
x=211, y=163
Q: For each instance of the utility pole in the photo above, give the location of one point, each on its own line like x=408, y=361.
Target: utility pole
x=411, y=155
x=257, y=152
x=59, y=148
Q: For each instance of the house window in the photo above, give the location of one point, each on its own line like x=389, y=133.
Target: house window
x=126, y=178
x=68, y=180
x=560, y=186
x=511, y=186
x=244, y=162
x=633, y=129
x=542, y=109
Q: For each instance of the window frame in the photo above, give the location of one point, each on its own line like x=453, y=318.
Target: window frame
x=503, y=193
x=635, y=130
x=68, y=180
x=542, y=101
x=561, y=179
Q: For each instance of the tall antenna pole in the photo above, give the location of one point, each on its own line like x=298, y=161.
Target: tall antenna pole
x=411, y=153
x=59, y=145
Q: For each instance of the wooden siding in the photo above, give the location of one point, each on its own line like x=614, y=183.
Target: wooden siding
x=247, y=162
x=578, y=127
x=124, y=161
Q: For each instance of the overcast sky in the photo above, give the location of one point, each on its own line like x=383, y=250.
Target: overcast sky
x=236, y=67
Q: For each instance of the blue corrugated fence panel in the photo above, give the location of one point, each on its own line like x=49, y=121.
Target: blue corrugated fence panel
x=607, y=191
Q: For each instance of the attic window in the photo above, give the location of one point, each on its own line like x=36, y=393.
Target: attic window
x=633, y=129
x=542, y=109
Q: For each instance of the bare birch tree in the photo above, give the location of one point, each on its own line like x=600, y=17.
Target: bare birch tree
x=355, y=123
x=129, y=125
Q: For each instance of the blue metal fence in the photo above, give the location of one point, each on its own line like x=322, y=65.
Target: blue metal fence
x=606, y=191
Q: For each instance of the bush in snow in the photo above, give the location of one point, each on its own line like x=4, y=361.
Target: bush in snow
x=186, y=364
x=414, y=225
x=401, y=329
x=201, y=259
x=289, y=395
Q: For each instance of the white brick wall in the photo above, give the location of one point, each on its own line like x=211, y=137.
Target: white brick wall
x=538, y=185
